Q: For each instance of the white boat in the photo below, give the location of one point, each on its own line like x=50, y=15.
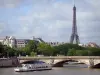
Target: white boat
x=33, y=66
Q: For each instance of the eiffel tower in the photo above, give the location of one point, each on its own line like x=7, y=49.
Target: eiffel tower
x=74, y=36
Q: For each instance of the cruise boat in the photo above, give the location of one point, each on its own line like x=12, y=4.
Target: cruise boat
x=33, y=66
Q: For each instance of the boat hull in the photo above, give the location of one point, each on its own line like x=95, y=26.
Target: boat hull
x=28, y=70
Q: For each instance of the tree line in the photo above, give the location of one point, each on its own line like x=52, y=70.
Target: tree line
x=34, y=48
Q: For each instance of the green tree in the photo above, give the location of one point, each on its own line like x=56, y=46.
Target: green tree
x=33, y=54
x=1, y=49
x=64, y=48
x=8, y=51
x=81, y=53
x=45, y=49
x=31, y=46
x=71, y=52
x=61, y=49
x=93, y=51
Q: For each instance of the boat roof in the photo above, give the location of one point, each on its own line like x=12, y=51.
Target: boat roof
x=33, y=62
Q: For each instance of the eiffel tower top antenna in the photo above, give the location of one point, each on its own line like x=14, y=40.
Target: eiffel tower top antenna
x=74, y=2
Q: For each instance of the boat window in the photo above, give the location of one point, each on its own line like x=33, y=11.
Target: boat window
x=43, y=66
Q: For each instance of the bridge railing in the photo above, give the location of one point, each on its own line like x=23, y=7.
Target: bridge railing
x=60, y=57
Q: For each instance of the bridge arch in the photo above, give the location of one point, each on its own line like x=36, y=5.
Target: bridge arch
x=61, y=62
x=96, y=66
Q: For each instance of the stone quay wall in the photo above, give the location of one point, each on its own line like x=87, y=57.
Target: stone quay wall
x=9, y=62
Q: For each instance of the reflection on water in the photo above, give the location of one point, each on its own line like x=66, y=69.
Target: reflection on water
x=75, y=66
x=79, y=69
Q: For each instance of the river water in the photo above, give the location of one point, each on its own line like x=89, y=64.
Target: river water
x=66, y=70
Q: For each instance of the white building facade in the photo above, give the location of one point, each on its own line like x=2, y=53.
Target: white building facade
x=13, y=42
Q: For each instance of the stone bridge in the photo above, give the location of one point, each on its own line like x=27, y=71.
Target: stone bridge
x=58, y=61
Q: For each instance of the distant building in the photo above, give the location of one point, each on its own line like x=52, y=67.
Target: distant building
x=21, y=42
x=8, y=40
x=83, y=45
x=55, y=43
x=11, y=41
x=92, y=44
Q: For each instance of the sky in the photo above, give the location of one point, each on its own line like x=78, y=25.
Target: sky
x=50, y=20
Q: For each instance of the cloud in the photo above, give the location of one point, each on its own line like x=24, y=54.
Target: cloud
x=51, y=19
x=9, y=3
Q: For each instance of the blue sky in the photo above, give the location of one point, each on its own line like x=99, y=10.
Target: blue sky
x=50, y=19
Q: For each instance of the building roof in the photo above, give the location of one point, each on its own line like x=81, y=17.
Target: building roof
x=22, y=40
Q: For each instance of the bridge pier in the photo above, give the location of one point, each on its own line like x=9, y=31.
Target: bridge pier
x=91, y=63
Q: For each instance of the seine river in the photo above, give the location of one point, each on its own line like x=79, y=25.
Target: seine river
x=68, y=70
